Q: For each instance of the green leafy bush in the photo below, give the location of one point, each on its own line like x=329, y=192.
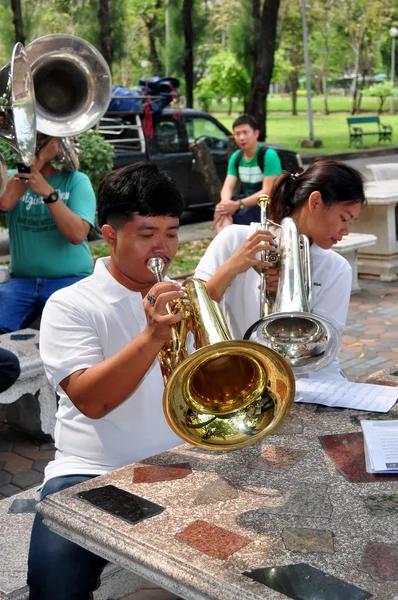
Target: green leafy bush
x=95, y=156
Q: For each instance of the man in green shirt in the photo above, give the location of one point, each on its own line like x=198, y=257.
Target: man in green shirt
x=254, y=179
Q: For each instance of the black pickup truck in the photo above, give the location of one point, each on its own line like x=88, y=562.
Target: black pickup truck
x=173, y=132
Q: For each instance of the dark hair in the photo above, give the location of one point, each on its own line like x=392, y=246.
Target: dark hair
x=246, y=120
x=336, y=182
x=141, y=188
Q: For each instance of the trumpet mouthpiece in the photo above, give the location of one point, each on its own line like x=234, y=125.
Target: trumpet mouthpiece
x=156, y=266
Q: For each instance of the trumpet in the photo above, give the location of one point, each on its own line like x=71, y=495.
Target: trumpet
x=306, y=341
x=227, y=394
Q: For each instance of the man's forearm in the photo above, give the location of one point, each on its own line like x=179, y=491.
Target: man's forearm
x=98, y=390
x=14, y=191
x=71, y=225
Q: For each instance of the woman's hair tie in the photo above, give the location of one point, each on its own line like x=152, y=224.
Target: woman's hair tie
x=294, y=178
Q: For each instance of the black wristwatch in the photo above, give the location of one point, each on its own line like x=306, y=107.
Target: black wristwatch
x=53, y=197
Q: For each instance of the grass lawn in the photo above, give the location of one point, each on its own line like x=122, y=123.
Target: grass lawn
x=332, y=129
x=187, y=257
x=283, y=103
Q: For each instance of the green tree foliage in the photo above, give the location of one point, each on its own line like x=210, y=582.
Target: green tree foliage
x=226, y=79
x=381, y=91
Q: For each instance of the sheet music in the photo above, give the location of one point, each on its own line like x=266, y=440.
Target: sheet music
x=381, y=446
x=346, y=394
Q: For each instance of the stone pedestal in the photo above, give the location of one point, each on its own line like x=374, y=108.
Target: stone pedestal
x=378, y=217
x=349, y=247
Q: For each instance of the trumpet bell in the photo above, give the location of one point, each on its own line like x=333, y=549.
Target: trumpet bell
x=228, y=395
x=308, y=342
x=17, y=103
x=72, y=83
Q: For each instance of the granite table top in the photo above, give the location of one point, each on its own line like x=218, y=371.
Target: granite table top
x=293, y=516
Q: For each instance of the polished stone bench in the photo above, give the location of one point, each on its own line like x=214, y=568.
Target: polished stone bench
x=383, y=171
x=15, y=528
x=349, y=247
x=379, y=217
x=30, y=403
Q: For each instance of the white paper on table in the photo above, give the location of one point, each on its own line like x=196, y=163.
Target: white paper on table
x=346, y=394
x=381, y=446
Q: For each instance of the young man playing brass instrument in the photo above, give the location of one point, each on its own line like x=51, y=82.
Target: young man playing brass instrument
x=99, y=343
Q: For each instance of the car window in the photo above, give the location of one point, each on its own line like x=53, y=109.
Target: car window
x=198, y=127
x=166, y=137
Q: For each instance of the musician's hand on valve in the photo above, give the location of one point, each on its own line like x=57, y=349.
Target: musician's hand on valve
x=248, y=254
x=159, y=321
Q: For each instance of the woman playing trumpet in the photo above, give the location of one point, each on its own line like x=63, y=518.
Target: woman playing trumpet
x=323, y=201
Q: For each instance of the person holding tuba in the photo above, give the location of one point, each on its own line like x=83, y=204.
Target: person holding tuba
x=99, y=342
x=49, y=213
x=323, y=201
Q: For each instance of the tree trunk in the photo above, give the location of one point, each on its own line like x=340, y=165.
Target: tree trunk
x=105, y=31
x=204, y=165
x=294, y=83
x=325, y=94
x=188, y=58
x=17, y=21
x=151, y=24
x=265, y=41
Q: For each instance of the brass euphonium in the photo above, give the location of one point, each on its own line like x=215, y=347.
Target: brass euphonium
x=307, y=341
x=227, y=394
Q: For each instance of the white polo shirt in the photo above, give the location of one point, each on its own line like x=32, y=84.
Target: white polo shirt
x=241, y=302
x=81, y=326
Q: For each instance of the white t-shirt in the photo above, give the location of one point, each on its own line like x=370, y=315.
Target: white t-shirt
x=81, y=326
x=331, y=291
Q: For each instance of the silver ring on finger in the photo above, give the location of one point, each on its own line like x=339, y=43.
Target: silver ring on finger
x=151, y=298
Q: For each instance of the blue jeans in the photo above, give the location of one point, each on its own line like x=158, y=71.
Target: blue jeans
x=57, y=568
x=22, y=299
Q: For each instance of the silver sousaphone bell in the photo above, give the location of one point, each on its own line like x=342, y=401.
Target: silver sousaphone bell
x=17, y=106
x=72, y=82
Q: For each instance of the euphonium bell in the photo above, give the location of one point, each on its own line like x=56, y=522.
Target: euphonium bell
x=17, y=106
x=307, y=341
x=227, y=394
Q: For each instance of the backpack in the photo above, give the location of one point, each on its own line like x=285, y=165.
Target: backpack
x=283, y=156
x=260, y=158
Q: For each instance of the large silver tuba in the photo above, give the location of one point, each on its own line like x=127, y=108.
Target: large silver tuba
x=72, y=82
x=17, y=106
x=307, y=341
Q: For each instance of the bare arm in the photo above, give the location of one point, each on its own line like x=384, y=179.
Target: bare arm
x=239, y=262
x=99, y=389
x=228, y=188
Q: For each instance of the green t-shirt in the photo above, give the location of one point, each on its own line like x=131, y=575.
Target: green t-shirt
x=37, y=247
x=250, y=173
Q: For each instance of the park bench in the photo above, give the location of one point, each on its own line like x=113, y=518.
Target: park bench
x=15, y=528
x=30, y=403
x=384, y=132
